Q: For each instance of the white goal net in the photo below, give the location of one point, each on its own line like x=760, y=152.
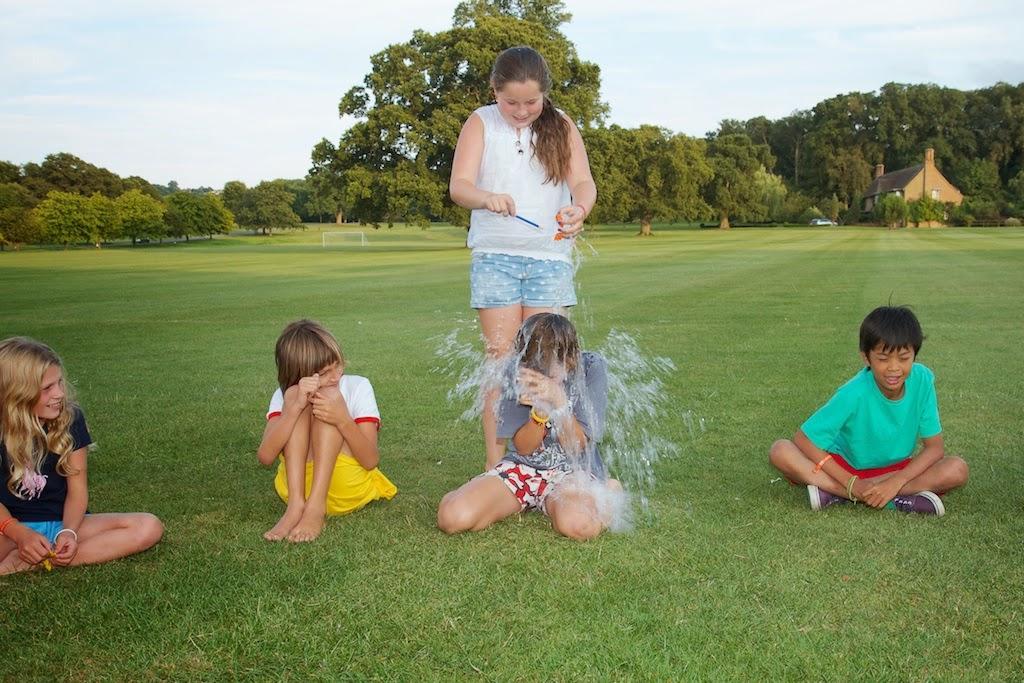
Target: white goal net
x=329, y=239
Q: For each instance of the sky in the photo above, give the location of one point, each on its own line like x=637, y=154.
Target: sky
x=203, y=92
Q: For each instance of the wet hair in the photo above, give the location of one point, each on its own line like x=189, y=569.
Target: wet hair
x=304, y=348
x=23, y=363
x=546, y=338
x=520, y=64
x=895, y=327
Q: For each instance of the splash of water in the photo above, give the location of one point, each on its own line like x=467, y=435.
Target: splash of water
x=637, y=415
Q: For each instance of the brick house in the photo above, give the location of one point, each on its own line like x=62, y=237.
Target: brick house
x=912, y=183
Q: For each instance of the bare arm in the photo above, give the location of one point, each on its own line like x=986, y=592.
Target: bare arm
x=75, y=505
x=580, y=180
x=469, y=152
x=280, y=427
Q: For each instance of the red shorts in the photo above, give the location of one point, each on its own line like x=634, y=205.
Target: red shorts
x=870, y=471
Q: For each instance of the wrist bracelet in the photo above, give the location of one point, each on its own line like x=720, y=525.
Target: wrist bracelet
x=849, y=487
x=581, y=208
x=6, y=523
x=821, y=463
x=66, y=531
x=543, y=420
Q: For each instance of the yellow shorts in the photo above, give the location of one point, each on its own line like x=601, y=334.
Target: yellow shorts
x=352, y=487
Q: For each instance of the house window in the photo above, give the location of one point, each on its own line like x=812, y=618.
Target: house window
x=935, y=194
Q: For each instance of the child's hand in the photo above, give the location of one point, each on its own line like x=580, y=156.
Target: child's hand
x=878, y=493
x=307, y=387
x=540, y=391
x=570, y=221
x=33, y=547
x=66, y=549
x=329, y=406
x=500, y=203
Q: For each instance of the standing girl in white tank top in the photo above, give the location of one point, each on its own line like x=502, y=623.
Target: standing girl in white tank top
x=521, y=166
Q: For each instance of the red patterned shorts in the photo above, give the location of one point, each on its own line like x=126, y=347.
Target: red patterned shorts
x=529, y=485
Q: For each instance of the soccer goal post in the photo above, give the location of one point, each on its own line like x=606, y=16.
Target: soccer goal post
x=332, y=238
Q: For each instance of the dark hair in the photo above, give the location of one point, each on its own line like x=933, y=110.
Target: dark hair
x=545, y=338
x=520, y=64
x=895, y=327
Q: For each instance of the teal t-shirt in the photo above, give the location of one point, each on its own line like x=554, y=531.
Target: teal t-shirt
x=869, y=430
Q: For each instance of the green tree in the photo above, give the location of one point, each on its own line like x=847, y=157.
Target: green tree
x=67, y=218
x=67, y=173
x=926, y=210
x=733, y=190
x=327, y=181
x=772, y=191
x=18, y=224
x=272, y=208
x=1015, y=195
x=413, y=103
x=891, y=210
x=141, y=215
x=647, y=174
x=239, y=201
x=832, y=208
x=9, y=173
x=196, y=214
x=106, y=221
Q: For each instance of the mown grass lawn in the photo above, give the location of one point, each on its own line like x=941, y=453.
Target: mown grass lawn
x=729, y=576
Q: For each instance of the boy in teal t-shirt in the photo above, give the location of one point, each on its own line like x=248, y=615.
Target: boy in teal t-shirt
x=860, y=445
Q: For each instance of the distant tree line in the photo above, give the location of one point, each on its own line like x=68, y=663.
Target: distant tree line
x=394, y=163
x=66, y=200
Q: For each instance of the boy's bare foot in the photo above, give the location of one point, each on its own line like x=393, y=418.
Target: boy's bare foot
x=309, y=527
x=292, y=515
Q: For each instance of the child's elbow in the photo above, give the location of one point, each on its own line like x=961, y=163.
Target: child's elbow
x=265, y=457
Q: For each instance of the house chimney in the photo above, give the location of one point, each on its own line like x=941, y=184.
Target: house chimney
x=929, y=157
x=879, y=170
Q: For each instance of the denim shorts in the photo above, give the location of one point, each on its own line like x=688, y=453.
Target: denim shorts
x=497, y=280
x=48, y=529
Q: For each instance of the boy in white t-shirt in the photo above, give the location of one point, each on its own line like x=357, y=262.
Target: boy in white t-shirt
x=324, y=426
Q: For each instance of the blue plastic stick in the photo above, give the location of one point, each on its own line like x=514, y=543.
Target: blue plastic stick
x=528, y=221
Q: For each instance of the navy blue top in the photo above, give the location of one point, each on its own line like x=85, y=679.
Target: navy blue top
x=48, y=505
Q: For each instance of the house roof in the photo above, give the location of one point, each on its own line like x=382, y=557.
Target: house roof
x=897, y=180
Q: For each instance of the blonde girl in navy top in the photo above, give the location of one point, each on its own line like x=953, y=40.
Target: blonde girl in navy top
x=521, y=166
x=43, y=487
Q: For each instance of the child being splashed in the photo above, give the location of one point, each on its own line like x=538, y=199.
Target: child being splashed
x=552, y=413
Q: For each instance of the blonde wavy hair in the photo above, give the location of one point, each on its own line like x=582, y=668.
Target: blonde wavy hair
x=23, y=362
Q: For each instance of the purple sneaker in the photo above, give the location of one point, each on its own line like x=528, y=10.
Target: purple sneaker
x=822, y=499
x=923, y=503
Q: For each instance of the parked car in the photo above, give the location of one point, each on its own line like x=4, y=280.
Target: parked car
x=822, y=221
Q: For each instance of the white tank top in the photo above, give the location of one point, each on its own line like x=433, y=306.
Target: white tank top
x=503, y=169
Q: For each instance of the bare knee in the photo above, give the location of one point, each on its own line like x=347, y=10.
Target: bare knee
x=148, y=530
x=579, y=527
x=452, y=516
x=779, y=452
x=957, y=470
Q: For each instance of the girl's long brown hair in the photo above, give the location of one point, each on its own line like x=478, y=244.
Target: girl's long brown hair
x=520, y=64
x=23, y=362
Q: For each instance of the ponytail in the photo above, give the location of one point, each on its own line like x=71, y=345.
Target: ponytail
x=551, y=145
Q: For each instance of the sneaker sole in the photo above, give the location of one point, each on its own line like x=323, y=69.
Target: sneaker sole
x=940, y=509
x=812, y=494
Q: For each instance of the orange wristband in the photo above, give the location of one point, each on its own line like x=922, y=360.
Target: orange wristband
x=6, y=523
x=817, y=468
